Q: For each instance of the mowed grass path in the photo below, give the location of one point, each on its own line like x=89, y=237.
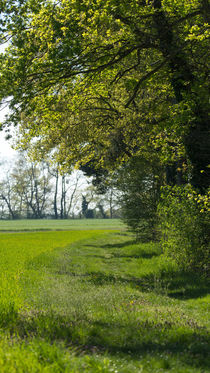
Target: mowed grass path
x=97, y=301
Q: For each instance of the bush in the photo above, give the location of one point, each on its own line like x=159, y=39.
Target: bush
x=184, y=217
x=139, y=183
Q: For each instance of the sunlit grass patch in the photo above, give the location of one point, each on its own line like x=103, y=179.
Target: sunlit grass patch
x=15, y=252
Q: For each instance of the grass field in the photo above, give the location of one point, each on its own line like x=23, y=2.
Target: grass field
x=97, y=301
x=50, y=224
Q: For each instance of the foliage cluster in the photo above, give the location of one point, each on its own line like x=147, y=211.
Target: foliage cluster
x=184, y=217
x=104, y=81
x=139, y=182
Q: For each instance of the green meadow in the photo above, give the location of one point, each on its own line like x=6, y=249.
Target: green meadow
x=84, y=296
x=25, y=225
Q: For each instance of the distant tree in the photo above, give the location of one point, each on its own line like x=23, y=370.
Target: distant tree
x=63, y=213
x=72, y=193
x=32, y=183
x=36, y=190
x=68, y=195
x=8, y=198
x=11, y=202
x=54, y=172
x=85, y=204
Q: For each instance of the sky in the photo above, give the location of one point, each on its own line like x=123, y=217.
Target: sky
x=5, y=147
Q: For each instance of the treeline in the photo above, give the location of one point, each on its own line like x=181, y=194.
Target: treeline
x=38, y=190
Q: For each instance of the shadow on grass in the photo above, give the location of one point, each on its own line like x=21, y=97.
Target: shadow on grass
x=119, y=245
x=174, y=283
x=136, y=253
x=126, y=336
x=179, y=285
x=186, y=285
x=143, y=255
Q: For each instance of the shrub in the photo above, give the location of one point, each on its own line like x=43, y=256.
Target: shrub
x=184, y=217
x=139, y=183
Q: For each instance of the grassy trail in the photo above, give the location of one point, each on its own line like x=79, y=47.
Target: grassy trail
x=96, y=301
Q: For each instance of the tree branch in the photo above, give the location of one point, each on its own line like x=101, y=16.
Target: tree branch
x=188, y=16
x=145, y=77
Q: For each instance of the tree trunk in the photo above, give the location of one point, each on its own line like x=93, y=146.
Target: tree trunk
x=56, y=195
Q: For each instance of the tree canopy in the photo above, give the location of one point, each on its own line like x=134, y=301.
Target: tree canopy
x=99, y=81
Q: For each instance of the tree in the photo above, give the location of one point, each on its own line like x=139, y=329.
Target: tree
x=68, y=198
x=30, y=190
x=11, y=201
x=86, y=212
x=55, y=174
x=32, y=184
x=7, y=197
x=109, y=80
